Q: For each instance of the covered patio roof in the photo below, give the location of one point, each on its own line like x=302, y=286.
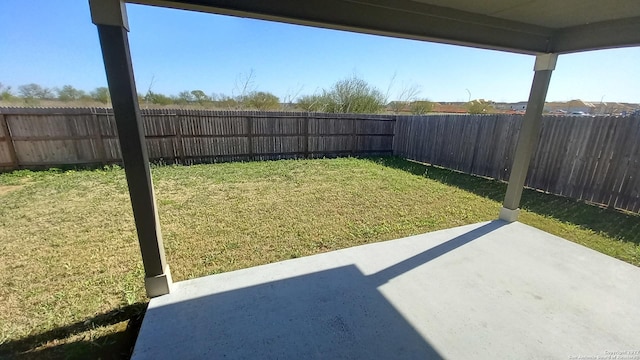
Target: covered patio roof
x=523, y=26
x=544, y=28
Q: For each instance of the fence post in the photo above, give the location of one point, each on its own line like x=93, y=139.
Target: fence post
x=97, y=128
x=177, y=124
x=354, y=142
x=9, y=140
x=395, y=135
x=250, y=137
x=72, y=126
x=305, y=124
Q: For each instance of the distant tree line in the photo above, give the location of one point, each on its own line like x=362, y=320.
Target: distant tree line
x=350, y=95
x=258, y=100
x=31, y=93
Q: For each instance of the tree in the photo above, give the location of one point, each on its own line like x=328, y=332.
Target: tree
x=85, y=97
x=34, y=91
x=290, y=95
x=157, y=98
x=480, y=107
x=184, y=97
x=200, y=97
x=5, y=92
x=354, y=95
x=101, y=94
x=69, y=93
x=245, y=84
x=351, y=95
x=46, y=93
x=224, y=101
x=405, y=97
x=421, y=107
x=260, y=100
x=313, y=103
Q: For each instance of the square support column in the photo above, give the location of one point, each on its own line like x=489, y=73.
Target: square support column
x=544, y=66
x=111, y=20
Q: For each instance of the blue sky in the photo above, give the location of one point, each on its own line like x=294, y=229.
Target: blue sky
x=54, y=43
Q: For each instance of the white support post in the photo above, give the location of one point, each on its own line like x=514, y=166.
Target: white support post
x=544, y=66
x=111, y=19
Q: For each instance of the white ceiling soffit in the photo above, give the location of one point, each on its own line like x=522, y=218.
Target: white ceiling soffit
x=523, y=26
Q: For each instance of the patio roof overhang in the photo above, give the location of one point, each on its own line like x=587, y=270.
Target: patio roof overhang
x=522, y=26
x=544, y=28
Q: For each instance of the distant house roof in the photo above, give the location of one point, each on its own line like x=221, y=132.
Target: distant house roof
x=448, y=108
x=568, y=104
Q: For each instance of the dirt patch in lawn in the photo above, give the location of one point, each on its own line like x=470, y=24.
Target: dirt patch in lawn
x=5, y=189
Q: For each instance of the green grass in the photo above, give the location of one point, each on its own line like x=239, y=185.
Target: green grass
x=71, y=278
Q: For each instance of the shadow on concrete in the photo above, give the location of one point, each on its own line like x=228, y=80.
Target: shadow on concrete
x=331, y=314
x=617, y=224
x=53, y=344
x=400, y=268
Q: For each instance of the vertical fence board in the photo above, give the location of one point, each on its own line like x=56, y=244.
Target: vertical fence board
x=12, y=162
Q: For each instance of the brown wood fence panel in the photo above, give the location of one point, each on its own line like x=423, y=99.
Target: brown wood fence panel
x=592, y=159
x=61, y=136
x=475, y=144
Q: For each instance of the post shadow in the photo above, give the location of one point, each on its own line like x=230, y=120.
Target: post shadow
x=111, y=346
x=424, y=257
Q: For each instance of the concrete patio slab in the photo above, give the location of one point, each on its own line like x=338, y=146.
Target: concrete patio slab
x=484, y=291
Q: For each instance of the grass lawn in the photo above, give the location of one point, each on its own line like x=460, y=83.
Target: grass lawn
x=71, y=277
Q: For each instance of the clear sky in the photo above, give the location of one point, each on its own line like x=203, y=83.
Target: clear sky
x=54, y=43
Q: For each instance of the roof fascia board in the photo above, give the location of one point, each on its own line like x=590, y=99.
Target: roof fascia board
x=597, y=36
x=402, y=19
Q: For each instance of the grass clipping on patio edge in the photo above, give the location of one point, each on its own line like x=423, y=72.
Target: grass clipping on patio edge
x=69, y=249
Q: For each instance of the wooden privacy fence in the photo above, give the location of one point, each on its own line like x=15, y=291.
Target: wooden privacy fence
x=45, y=137
x=592, y=159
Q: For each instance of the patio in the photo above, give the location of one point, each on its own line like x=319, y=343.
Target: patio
x=490, y=290
x=484, y=291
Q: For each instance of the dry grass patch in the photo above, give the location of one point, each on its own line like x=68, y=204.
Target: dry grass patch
x=9, y=188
